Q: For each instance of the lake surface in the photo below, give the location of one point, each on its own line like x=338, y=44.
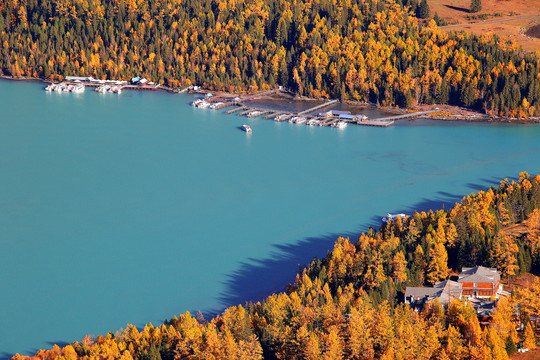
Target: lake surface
x=133, y=208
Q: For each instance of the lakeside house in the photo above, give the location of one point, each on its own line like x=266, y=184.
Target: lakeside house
x=479, y=285
x=480, y=282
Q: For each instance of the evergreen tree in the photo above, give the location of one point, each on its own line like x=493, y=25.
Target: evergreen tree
x=476, y=6
x=422, y=11
x=510, y=346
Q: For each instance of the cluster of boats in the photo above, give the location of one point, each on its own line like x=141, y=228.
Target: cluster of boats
x=63, y=87
x=300, y=120
x=109, y=89
x=200, y=103
x=203, y=104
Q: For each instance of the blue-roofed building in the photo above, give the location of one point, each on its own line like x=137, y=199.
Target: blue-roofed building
x=136, y=80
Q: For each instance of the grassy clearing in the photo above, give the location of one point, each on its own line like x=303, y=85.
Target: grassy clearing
x=508, y=19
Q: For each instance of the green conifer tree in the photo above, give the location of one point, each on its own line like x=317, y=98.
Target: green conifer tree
x=423, y=11
x=476, y=6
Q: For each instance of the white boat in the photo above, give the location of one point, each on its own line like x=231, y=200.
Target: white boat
x=254, y=113
x=196, y=102
x=280, y=117
x=313, y=122
x=301, y=120
x=79, y=88
x=216, y=105
x=103, y=88
x=50, y=87
x=203, y=104
x=339, y=124
x=247, y=128
x=293, y=119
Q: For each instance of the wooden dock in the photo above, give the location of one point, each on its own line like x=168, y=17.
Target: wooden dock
x=239, y=108
x=328, y=122
x=326, y=104
x=274, y=114
x=404, y=116
x=380, y=123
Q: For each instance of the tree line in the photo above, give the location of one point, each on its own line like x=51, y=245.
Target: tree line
x=363, y=50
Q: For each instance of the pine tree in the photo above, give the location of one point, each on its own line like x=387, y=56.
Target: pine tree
x=422, y=11
x=476, y=6
x=510, y=345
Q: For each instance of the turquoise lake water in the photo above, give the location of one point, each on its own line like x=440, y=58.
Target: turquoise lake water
x=135, y=208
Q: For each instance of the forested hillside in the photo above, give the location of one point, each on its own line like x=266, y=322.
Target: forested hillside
x=345, y=305
x=365, y=50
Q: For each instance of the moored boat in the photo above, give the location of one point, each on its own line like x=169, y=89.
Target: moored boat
x=339, y=124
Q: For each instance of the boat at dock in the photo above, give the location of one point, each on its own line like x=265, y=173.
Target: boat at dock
x=254, y=113
x=79, y=88
x=293, y=119
x=247, y=128
x=217, y=105
x=313, y=122
x=339, y=124
x=301, y=120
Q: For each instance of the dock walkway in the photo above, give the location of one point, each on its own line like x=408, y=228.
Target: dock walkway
x=404, y=116
x=239, y=108
x=326, y=104
x=380, y=123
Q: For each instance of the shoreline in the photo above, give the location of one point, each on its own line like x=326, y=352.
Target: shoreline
x=446, y=112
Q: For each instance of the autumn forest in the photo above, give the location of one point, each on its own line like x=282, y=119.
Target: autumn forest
x=346, y=306
x=362, y=50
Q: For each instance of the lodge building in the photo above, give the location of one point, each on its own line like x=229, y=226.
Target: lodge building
x=478, y=282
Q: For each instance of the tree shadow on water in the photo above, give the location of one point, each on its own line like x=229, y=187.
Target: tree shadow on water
x=29, y=352
x=258, y=278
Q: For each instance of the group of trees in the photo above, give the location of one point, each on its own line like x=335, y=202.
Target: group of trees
x=363, y=50
x=345, y=305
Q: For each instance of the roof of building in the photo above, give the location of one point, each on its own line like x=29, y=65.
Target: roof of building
x=446, y=291
x=451, y=290
x=479, y=274
x=421, y=292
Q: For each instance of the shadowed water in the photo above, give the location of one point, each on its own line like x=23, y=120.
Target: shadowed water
x=134, y=208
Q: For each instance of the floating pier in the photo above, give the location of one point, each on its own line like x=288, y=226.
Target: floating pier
x=273, y=114
x=326, y=104
x=404, y=116
x=380, y=123
x=239, y=108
